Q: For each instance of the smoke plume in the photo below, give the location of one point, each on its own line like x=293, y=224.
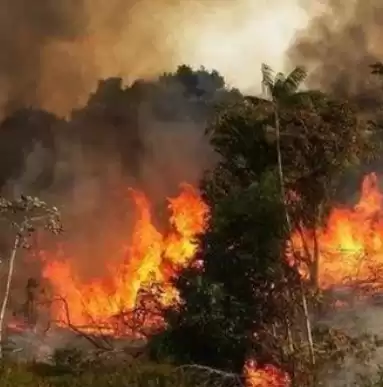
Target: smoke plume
x=338, y=46
x=54, y=52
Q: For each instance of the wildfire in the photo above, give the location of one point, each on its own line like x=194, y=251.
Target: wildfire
x=152, y=258
x=350, y=245
x=267, y=376
x=349, y=250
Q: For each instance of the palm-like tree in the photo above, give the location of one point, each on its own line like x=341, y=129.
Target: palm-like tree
x=282, y=91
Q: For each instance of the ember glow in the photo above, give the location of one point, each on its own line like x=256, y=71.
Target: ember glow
x=350, y=246
x=267, y=376
x=152, y=258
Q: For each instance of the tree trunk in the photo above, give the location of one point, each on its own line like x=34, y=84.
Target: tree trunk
x=280, y=165
x=289, y=336
x=308, y=325
x=7, y=291
x=315, y=271
x=289, y=227
x=316, y=253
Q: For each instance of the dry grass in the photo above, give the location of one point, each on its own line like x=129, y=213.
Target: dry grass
x=70, y=368
x=39, y=375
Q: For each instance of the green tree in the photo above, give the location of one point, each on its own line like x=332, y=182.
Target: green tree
x=240, y=290
x=282, y=90
x=309, y=138
x=305, y=141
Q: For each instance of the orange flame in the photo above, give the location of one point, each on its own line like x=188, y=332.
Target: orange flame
x=350, y=246
x=151, y=258
x=267, y=376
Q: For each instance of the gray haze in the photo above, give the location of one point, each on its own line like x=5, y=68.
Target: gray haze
x=339, y=45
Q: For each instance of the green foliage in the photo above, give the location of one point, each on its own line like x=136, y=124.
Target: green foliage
x=247, y=301
x=320, y=140
x=238, y=291
x=281, y=87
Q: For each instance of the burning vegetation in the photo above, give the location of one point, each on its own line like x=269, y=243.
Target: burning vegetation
x=231, y=281
x=159, y=270
x=105, y=305
x=222, y=281
x=266, y=376
x=349, y=244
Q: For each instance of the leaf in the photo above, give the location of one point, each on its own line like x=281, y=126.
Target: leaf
x=295, y=79
x=267, y=78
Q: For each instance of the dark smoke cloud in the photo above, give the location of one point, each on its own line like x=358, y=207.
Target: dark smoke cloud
x=53, y=52
x=339, y=45
x=26, y=28
x=149, y=136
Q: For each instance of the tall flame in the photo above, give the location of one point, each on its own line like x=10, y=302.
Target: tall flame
x=350, y=250
x=152, y=257
x=350, y=245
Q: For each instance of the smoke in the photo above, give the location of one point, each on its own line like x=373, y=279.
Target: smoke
x=26, y=29
x=40, y=345
x=54, y=52
x=339, y=44
x=149, y=136
x=362, y=320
